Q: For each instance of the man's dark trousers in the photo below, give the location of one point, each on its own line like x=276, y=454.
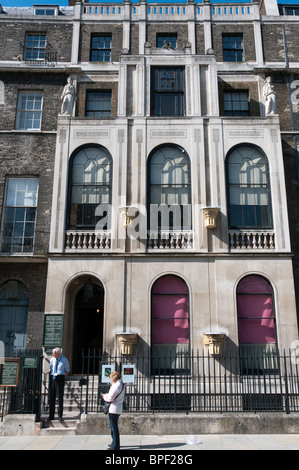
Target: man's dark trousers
x=56, y=388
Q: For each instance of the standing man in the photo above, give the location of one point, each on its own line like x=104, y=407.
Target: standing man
x=59, y=369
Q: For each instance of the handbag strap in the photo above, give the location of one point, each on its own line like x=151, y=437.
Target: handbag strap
x=119, y=392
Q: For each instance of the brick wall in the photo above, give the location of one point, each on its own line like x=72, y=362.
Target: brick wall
x=252, y=87
x=101, y=86
x=13, y=34
x=180, y=29
x=50, y=83
x=248, y=40
x=87, y=30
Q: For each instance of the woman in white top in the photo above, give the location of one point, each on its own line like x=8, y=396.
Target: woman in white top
x=115, y=396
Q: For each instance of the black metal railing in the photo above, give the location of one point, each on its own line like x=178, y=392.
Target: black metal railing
x=25, y=398
x=205, y=383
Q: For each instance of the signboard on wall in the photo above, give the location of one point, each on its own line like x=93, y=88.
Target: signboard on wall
x=9, y=372
x=53, y=329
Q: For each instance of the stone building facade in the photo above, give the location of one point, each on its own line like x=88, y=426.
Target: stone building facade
x=164, y=194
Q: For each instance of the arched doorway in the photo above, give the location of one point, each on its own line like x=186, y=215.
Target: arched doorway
x=88, y=321
x=14, y=305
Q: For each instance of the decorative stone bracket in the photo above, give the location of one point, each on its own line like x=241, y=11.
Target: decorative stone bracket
x=210, y=216
x=214, y=340
x=128, y=213
x=126, y=342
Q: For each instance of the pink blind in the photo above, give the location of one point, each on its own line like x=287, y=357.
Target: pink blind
x=255, y=311
x=170, y=311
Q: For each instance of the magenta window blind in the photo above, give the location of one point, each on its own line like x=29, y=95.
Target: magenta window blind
x=256, y=322
x=170, y=311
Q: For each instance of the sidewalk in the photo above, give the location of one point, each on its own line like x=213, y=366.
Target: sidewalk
x=152, y=444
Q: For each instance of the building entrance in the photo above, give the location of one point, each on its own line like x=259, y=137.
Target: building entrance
x=88, y=322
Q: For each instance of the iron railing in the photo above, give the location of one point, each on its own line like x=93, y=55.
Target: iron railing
x=25, y=398
x=197, y=383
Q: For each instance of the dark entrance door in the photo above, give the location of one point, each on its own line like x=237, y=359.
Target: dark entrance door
x=88, y=326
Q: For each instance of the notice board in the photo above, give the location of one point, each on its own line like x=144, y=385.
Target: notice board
x=9, y=372
x=53, y=329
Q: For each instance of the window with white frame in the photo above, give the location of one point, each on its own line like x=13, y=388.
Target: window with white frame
x=19, y=215
x=35, y=46
x=29, y=110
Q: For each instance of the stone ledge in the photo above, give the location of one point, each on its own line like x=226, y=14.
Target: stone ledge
x=199, y=423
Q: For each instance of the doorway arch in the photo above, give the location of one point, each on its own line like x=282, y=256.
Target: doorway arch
x=84, y=319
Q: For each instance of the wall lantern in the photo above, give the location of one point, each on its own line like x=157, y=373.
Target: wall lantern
x=210, y=216
x=128, y=213
x=214, y=340
x=126, y=342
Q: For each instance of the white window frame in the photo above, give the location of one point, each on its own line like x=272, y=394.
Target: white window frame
x=24, y=197
x=29, y=117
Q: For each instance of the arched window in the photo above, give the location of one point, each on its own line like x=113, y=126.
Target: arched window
x=90, y=186
x=170, y=324
x=256, y=320
x=249, y=200
x=14, y=305
x=169, y=189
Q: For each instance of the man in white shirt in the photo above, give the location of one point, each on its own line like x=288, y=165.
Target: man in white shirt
x=59, y=369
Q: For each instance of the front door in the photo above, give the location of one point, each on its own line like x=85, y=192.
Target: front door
x=88, y=324
x=14, y=304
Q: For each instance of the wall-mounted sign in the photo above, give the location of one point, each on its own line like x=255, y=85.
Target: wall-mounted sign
x=29, y=362
x=53, y=329
x=107, y=369
x=9, y=373
x=128, y=373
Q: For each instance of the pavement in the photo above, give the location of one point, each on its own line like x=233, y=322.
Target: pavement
x=173, y=445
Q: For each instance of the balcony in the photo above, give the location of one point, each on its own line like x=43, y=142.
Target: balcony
x=251, y=240
x=170, y=240
x=87, y=241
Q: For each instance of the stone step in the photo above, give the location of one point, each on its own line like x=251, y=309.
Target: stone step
x=67, y=427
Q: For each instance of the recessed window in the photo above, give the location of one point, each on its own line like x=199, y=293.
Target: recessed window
x=44, y=11
x=98, y=103
x=232, y=47
x=18, y=230
x=168, y=91
x=35, y=46
x=249, y=189
x=29, y=110
x=100, y=48
x=236, y=103
x=256, y=325
x=166, y=41
x=170, y=326
x=169, y=187
x=90, y=186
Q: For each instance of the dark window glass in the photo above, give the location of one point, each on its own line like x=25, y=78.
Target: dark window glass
x=168, y=92
x=236, y=103
x=98, y=103
x=19, y=215
x=90, y=186
x=100, y=48
x=168, y=41
x=232, y=47
x=249, y=189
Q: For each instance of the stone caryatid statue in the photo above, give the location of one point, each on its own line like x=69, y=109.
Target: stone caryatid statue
x=68, y=98
x=270, y=97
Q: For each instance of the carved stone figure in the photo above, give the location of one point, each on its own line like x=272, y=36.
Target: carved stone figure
x=68, y=97
x=270, y=97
